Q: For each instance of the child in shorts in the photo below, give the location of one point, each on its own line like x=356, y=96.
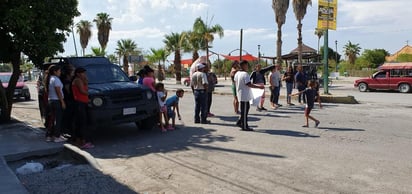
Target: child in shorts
x=172, y=104
x=161, y=97
x=311, y=93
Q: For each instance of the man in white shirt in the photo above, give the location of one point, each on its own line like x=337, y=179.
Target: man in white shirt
x=199, y=86
x=244, y=94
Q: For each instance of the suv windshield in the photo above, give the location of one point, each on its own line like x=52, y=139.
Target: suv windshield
x=96, y=74
x=5, y=78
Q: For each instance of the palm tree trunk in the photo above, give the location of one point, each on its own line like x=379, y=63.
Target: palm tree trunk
x=178, y=67
x=279, y=45
x=125, y=64
x=300, y=42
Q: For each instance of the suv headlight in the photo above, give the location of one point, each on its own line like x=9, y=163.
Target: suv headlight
x=97, y=101
x=149, y=95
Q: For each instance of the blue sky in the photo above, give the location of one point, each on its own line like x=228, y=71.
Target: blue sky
x=373, y=24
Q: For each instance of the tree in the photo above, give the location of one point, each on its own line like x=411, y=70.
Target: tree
x=207, y=33
x=83, y=28
x=351, y=51
x=174, y=43
x=97, y=51
x=299, y=8
x=280, y=7
x=195, y=42
x=159, y=56
x=319, y=33
x=113, y=58
x=35, y=28
x=125, y=48
x=104, y=25
x=375, y=57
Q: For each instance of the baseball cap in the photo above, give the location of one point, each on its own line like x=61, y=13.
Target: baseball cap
x=201, y=66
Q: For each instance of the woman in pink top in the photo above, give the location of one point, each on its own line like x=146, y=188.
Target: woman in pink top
x=149, y=80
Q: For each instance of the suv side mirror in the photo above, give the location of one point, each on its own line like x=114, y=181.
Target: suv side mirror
x=133, y=78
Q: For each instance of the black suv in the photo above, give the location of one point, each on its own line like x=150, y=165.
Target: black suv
x=114, y=97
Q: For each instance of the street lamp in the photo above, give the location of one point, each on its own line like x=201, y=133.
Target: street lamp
x=336, y=55
x=258, y=53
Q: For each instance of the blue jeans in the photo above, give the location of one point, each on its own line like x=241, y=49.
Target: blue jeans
x=274, y=97
x=289, y=88
x=200, y=105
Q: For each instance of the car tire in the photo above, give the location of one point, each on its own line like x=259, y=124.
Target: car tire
x=148, y=123
x=186, y=83
x=363, y=87
x=404, y=88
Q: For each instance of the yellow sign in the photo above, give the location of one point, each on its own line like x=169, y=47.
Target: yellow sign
x=327, y=12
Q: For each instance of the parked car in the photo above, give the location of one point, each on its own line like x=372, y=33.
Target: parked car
x=114, y=98
x=391, y=76
x=21, y=90
x=186, y=81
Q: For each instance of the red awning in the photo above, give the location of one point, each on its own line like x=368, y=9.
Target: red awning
x=186, y=61
x=247, y=57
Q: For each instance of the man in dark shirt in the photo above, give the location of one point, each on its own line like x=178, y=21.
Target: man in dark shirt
x=258, y=77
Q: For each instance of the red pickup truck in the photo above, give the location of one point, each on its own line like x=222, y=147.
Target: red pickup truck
x=391, y=76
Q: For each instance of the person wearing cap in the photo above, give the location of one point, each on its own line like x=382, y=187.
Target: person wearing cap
x=244, y=94
x=199, y=86
x=81, y=99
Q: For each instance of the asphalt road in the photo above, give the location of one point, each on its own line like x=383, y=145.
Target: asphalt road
x=361, y=148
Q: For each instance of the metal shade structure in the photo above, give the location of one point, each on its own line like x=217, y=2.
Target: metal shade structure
x=247, y=57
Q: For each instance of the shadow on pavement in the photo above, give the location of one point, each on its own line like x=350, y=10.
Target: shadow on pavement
x=286, y=133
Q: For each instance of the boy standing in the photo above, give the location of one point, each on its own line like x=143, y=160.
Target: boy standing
x=172, y=104
x=311, y=94
x=244, y=94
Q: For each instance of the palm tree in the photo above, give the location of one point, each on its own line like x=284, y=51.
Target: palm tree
x=175, y=42
x=83, y=28
x=195, y=42
x=207, y=33
x=319, y=33
x=98, y=51
x=159, y=56
x=280, y=7
x=299, y=8
x=104, y=25
x=126, y=47
x=352, y=51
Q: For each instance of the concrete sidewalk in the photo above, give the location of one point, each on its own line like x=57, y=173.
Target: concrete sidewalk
x=18, y=141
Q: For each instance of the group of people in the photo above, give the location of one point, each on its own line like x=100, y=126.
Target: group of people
x=242, y=82
x=169, y=107
x=65, y=92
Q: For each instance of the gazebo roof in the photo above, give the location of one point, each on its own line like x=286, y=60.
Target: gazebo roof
x=305, y=50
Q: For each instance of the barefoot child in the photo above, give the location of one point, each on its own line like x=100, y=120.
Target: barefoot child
x=172, y=104
x=311, y=93
x=161, y=96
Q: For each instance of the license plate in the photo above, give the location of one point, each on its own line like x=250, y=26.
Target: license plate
x=129, y=111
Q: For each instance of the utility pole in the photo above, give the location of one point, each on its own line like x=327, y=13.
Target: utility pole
x=336, y=53
x=258, y=53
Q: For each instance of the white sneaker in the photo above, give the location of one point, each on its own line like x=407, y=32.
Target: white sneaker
x=59, y=139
